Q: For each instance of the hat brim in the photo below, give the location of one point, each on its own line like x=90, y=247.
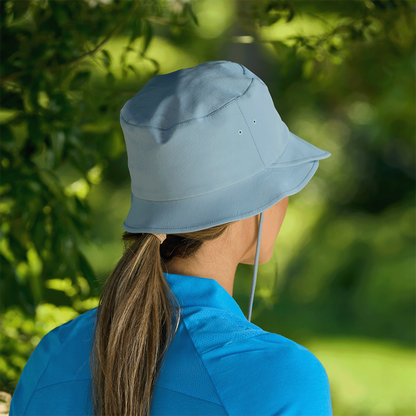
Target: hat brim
x=299, y=151
x=287, y=176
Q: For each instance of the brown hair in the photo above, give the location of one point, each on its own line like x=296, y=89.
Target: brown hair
x=137, y=320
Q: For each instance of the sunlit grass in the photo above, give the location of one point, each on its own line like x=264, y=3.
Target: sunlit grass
x=367, y=376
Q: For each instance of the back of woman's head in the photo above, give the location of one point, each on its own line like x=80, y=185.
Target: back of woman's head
x=137, y=318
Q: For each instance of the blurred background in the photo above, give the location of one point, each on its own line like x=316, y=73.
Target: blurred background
x=342, y=76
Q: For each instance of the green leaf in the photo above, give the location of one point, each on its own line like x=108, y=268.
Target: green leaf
x=79, y=80
x=188, y=9
x=136, y=31
x=106, y=58
x=148, y=33
x=133, y=69
x=156, y=64
x=291, y=15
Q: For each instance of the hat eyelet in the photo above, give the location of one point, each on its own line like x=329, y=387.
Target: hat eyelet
x=240, y=131
x=254, y=121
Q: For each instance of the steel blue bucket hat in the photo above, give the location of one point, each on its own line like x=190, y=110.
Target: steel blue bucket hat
x=206, y=146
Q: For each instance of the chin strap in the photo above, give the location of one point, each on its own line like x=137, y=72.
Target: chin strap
x=256, y=263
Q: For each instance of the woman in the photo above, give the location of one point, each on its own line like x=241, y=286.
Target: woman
x=211, y=164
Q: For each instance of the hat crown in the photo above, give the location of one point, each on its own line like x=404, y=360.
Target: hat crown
x=187, y=94
x=198, y=130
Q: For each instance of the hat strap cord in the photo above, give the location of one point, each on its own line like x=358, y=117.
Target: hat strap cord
x=256, y=263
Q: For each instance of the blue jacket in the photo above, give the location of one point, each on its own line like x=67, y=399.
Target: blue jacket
x=218, y=364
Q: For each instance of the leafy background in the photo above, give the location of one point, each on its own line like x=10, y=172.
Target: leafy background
x=342, y=76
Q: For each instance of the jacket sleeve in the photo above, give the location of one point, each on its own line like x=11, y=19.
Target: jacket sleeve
x=270, y=375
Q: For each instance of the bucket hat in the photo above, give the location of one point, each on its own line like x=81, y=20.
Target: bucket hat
x=206, y=146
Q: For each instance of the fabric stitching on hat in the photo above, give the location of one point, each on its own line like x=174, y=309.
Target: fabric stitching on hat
x=257, y=77
x=210, y=192
x=244, y=69
x=285, y=164
x=206, y=193
x=223, y=219
x=251, y=134
x=286, y=145
x=192, y=119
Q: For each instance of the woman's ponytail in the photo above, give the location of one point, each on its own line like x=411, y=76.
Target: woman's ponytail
x=137, y=318
x=136, y=321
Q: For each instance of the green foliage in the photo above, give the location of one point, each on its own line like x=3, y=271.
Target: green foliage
x=46, y=93
x=46, y=108
x=22, y=333
x=46, y=111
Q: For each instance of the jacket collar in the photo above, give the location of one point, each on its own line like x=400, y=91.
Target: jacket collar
x=202, y=291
